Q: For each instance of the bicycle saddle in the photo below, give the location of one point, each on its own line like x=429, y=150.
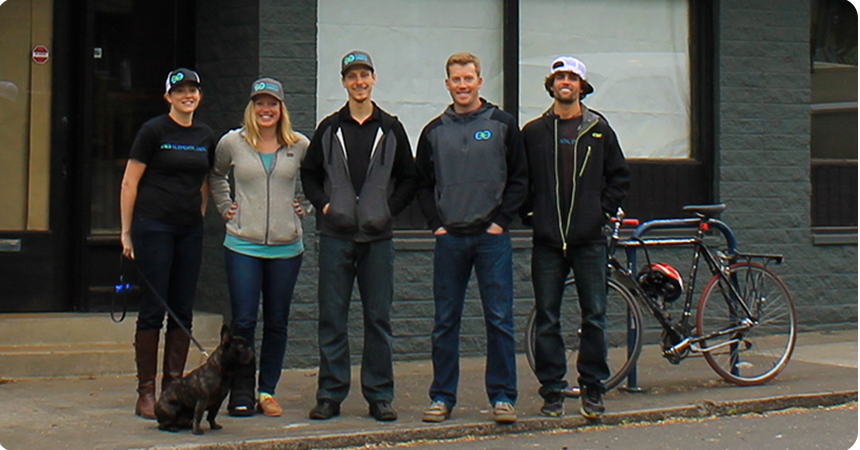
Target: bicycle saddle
x=706, y=210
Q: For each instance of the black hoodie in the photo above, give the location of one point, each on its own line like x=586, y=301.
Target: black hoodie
x=600, y=184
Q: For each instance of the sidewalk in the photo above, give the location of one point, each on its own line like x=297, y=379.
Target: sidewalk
x=97, y=413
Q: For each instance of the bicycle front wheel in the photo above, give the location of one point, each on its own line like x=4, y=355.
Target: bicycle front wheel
x=623, y=346
x=763, y=341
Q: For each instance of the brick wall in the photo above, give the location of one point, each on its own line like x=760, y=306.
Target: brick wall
x=763, y=154
x=228, y=42
x=762, y=161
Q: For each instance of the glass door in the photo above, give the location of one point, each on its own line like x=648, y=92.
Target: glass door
x=134, y=44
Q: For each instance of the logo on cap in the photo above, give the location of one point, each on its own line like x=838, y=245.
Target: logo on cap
x=262, y=86
x=354, y=57
x=483, y=135
x=177, y=78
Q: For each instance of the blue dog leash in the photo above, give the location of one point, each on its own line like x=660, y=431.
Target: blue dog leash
x=124, y=287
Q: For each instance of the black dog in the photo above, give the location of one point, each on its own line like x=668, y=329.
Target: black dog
x=182, y=404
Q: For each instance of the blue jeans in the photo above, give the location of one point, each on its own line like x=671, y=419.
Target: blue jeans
x=550, y=267
x=169, y=257
x=492, y=257
x=341, y=262
x=247, y=277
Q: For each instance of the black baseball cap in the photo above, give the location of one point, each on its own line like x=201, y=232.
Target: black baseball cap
x=181, y=75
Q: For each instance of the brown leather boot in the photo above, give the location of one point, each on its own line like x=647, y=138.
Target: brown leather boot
x=176, y=344
x=146, y=357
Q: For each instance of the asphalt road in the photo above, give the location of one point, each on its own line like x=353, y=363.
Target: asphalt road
x=831, y=428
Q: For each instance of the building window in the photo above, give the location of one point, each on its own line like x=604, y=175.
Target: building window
x=640, y=71
x=409, y=42
x=653, y=76
x=653, y=80
x=833, y=141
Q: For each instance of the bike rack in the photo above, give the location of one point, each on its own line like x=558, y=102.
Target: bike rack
x=635, y=241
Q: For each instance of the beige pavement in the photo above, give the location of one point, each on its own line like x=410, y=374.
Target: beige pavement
x=96, y=413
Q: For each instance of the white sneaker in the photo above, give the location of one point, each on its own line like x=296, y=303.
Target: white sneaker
x=504, y=412
x=437, y=412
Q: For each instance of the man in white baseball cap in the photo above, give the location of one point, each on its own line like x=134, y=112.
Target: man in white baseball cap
x=578, y=178
x=572, y=65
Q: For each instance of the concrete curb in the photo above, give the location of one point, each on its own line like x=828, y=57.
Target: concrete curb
x=443, y=432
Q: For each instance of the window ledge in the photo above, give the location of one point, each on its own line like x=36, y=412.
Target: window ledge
x=423, y=240
x=834, y=235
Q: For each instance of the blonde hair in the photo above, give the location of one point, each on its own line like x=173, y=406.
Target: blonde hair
x=284, y=130
x=463, y=58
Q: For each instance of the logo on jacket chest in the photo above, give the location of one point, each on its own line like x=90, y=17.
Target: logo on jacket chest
x=483, y=135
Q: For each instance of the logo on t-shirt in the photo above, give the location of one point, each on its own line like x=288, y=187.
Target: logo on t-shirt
x=183, y=148
x=483, y=135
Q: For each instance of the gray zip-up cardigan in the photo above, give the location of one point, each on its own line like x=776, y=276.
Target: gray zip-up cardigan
x=389, y=186
x=266, y=214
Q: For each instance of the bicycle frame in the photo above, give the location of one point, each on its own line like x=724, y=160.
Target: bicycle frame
x=701, y=225
x=626, y=275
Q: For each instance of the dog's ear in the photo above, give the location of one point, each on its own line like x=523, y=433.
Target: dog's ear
x=225, y=334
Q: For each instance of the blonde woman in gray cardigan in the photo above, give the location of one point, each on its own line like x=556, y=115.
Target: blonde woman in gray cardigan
x=263, y=244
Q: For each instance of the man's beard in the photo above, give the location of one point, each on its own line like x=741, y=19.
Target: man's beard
x=566, y=101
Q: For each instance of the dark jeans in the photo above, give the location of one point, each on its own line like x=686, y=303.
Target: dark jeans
x=247, y=277
x=341, y=262
x=169, y=257
x=550, y=267
x=454, y=257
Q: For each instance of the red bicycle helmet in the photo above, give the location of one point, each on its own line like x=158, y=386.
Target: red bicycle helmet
x=661, y=280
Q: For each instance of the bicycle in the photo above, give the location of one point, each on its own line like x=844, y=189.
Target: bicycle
x=746, y=324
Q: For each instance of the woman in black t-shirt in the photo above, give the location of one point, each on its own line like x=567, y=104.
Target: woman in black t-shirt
x=162, y=203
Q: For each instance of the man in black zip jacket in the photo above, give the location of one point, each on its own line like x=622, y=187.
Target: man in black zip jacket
x=473, y=180
x=358, y=173
x=578, y=178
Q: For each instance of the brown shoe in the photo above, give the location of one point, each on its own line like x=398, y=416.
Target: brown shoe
x=269, y=406
x=145, y=406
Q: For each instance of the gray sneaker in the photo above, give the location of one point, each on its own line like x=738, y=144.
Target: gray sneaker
x=504, y=412
x=437, y=412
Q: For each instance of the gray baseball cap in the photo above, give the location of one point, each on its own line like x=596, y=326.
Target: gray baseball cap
x=355, y=58
x=269, y=86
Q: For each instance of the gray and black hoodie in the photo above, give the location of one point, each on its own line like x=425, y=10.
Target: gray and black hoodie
x=388, y=188
x=600, y=182
x=472, y=170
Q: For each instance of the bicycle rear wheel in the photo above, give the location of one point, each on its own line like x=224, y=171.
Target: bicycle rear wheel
x=623, y=347
x=757, y=354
